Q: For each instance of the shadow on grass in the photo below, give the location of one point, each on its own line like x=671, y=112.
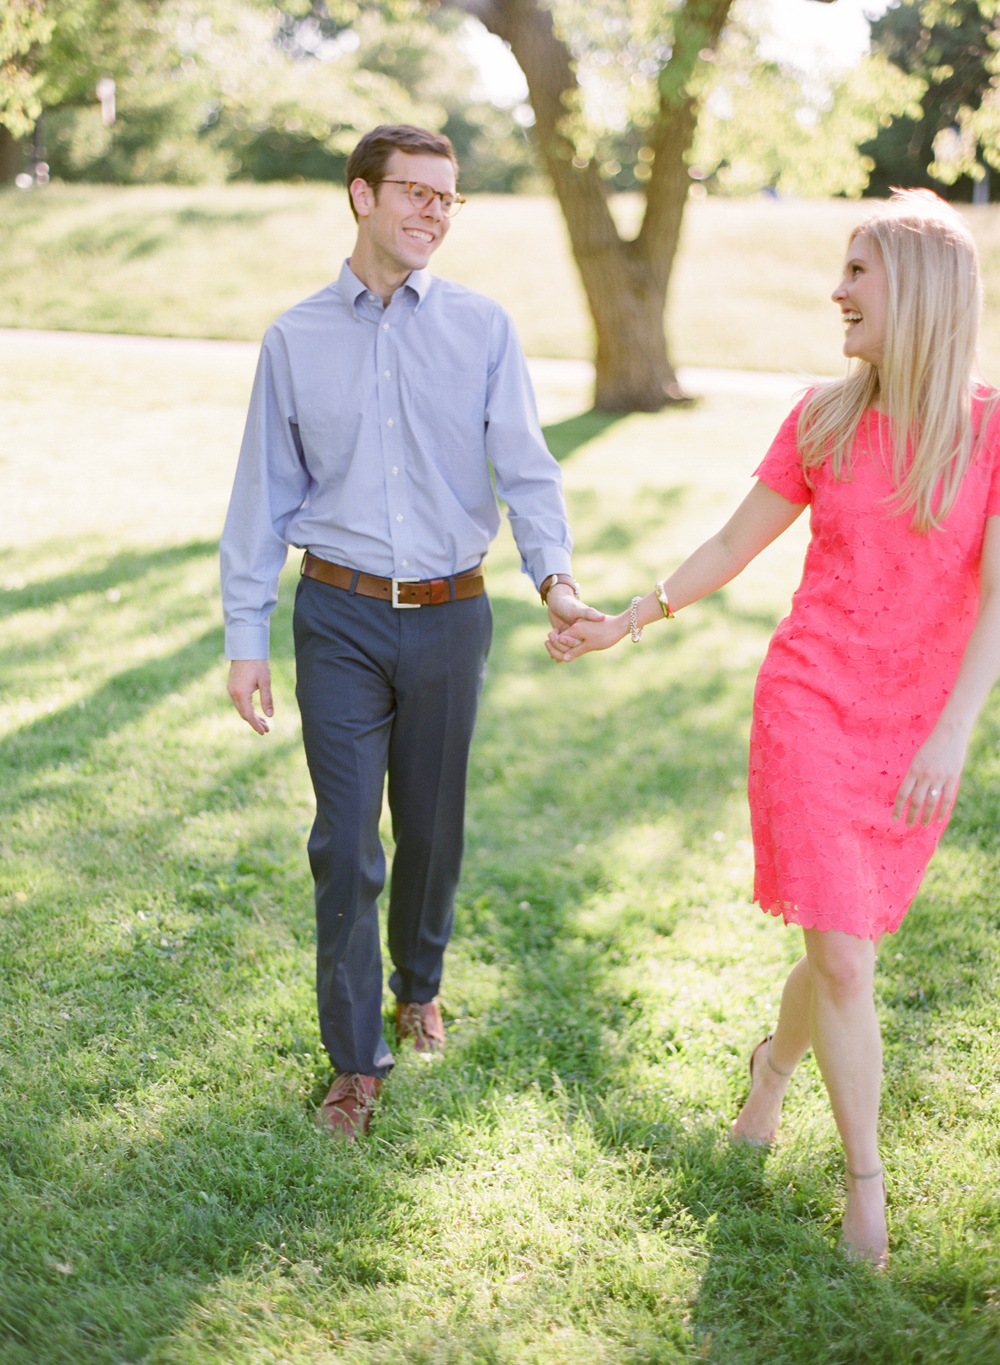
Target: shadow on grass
x=125, y=567
x=562, y=438
x=72, y=733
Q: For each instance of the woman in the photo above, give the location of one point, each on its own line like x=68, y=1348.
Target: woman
x=870, y=688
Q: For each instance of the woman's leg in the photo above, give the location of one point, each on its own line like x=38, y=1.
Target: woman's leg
x=848, y=1048
x=774, y=1062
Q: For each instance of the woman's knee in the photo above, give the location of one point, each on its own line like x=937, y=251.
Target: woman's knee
x=841, y=966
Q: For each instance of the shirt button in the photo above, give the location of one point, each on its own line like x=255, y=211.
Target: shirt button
x=399, y=517
x=371, y=298
x=395, y=468
x=388, y=374
x=390, y=423
x=405, y=563
x=385, y=327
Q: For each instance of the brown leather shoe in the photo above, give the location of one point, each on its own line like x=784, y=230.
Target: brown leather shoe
x=422, y=1023
x=347, y=1110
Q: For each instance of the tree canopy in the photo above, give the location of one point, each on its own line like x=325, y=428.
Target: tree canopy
x=25, y=28
x=238, y=88
x=953, y=135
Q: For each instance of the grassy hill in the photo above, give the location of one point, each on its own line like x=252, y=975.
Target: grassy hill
x=751, y=288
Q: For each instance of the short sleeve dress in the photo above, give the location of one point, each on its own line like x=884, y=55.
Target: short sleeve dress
x=854, y=681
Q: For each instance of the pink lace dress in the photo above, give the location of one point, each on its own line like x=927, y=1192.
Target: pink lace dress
x=853, y=682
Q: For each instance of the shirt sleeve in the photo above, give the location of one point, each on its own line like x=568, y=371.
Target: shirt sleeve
x=781, y=468
x=527, y=477
x=271, y=484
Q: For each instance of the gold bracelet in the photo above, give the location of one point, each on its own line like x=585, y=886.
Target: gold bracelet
x=661, y=594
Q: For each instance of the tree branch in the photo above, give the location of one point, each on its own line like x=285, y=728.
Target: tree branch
x=483, y=10
x=697, y=27
x=548, y=68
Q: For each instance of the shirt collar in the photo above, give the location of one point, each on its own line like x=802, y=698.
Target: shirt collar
x=350, y=287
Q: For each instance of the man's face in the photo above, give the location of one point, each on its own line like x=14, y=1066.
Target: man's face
x=405, y=237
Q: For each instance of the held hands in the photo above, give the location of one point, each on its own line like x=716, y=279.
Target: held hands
x=247, y=676
x=930, y=786
x=583, y=636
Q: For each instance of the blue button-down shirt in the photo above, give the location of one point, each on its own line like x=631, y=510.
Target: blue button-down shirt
x=369, y=441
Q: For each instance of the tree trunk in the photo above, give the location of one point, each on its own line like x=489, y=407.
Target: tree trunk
x=625, y=282
x=10, y=155
x=627, y=301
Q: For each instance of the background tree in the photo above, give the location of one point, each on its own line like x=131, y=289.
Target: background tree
x=951, y=46
x=24, y=29
x=662, y=58
x=628, y=78
x=226, y=89
x=766, y=125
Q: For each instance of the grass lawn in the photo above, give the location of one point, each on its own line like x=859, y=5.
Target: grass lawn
x=559, y=1186
x=750, y=290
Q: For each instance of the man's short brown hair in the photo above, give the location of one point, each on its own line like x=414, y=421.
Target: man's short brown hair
x=369, y=158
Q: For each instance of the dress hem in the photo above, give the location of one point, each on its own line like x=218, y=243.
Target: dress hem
x=809, y=919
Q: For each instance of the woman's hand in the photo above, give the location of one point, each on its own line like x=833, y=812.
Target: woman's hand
x=583, y=636
x=930, y=786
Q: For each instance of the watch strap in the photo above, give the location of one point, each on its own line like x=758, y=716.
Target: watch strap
x=547, y=584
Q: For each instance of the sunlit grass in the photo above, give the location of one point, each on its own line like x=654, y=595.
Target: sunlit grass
x=559, y=1186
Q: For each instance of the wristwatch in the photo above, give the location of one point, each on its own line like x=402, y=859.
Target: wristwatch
x=548, y=583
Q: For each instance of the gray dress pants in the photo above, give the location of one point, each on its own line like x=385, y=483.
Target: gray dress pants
x=383, y=690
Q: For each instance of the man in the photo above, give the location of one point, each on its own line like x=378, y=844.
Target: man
x=378, y=408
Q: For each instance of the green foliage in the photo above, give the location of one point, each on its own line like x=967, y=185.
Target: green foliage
x=24, y=27
x=761, y=128
x=761, y=124
x=952, y=48
x=237, y=89
x=198, y=92
x=634, y=59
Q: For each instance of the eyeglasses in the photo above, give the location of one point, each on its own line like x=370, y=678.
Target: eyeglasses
x=421, y=195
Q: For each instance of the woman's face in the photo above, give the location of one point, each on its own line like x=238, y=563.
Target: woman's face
x=863, y=296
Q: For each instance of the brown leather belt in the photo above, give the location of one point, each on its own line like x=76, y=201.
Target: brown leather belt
x=401, y=592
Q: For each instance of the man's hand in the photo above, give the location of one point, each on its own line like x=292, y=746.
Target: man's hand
x=565, y=608
x=585, y=636
x=247, y=676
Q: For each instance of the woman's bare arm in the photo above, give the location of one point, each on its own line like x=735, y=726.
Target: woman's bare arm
x=930, y=786
x=760, y=518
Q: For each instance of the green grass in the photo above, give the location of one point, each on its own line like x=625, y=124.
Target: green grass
x=751, y=287
x=559, y=1186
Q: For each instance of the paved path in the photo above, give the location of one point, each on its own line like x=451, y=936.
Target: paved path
x=572, y=373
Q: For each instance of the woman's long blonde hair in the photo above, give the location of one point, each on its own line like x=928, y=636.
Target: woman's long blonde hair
x=926, y=381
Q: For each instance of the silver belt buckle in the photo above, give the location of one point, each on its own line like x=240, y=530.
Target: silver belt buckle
x=402, y=606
